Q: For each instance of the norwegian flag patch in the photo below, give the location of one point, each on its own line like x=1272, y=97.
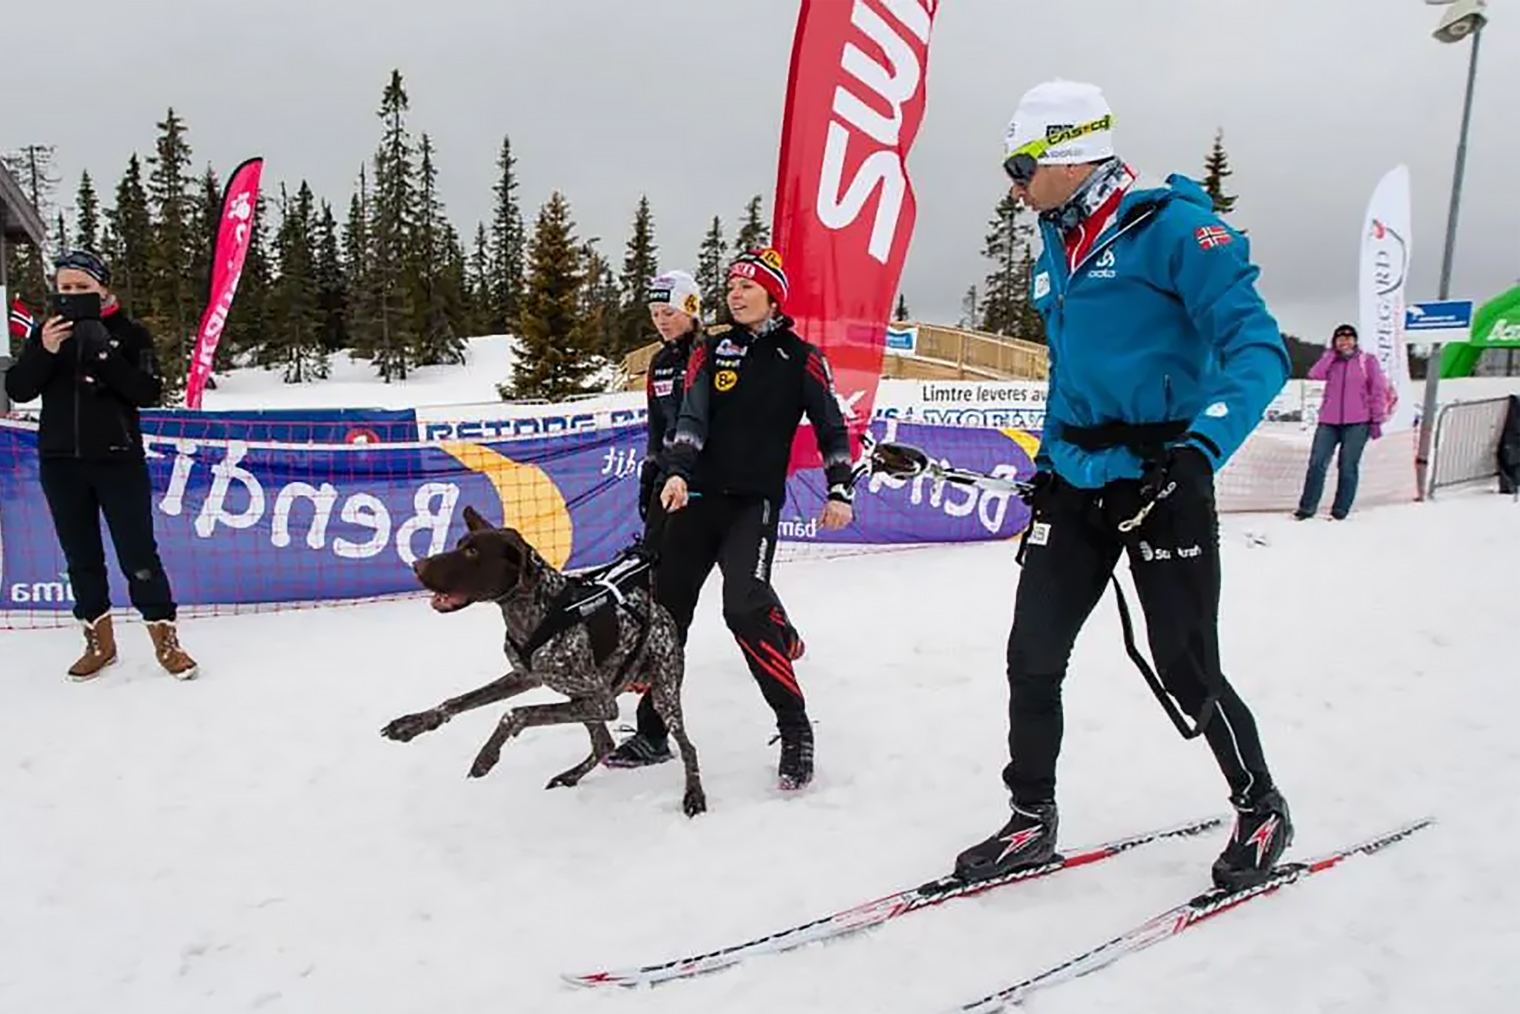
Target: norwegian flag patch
x=1210, y=236
x=20, y=321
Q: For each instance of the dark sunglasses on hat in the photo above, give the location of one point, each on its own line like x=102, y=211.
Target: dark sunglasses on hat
x=1345, y=331
x=88, y=261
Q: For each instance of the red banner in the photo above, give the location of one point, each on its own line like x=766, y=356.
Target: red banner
x=233, y=235
x=844, y=206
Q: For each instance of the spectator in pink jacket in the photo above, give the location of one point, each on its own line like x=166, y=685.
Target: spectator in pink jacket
x=1354, y=409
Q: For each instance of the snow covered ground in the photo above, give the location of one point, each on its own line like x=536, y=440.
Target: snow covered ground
x=249, y=841
x=352, y=383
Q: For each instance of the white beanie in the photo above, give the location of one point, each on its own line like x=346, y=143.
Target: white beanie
x=1062, y=123
x=678, y=289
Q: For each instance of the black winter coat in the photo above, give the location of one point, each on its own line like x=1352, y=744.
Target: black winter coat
x=91, y=388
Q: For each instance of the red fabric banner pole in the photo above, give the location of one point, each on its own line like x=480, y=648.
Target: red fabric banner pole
x=233, y=234
x=844, y=209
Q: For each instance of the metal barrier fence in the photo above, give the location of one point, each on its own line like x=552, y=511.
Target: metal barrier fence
x=1467, y=442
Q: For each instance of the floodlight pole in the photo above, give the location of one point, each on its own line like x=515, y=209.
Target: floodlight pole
x=1433, y=362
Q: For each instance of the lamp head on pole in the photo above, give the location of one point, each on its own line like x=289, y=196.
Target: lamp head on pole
x=1460, y=19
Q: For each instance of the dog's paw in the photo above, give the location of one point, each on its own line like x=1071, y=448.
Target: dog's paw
x=694, y=802
x=409, y=727
x=484, y=762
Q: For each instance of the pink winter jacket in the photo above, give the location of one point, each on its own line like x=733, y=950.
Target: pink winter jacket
x=1355, y=388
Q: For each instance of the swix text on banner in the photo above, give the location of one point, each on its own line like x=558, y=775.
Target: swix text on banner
x=845, y=208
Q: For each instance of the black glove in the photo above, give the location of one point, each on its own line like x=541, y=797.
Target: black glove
x=1038, y=490
x=648, y=473
x=1184, y=468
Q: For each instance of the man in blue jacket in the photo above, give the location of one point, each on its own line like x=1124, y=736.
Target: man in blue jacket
x=1163, y=358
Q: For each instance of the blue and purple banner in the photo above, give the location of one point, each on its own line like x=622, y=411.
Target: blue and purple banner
x=243, y=521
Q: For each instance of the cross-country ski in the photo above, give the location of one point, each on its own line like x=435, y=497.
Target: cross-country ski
x=1175, y=920
x=874, y=913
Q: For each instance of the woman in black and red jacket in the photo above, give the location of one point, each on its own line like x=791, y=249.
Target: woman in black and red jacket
x=748, y=385
x=93, y=375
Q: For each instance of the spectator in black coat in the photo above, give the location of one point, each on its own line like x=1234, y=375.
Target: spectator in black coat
x=93, y=375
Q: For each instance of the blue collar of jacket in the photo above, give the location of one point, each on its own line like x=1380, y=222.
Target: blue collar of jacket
x=1137, y=205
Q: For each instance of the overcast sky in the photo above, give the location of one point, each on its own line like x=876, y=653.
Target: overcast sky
x=682, y=100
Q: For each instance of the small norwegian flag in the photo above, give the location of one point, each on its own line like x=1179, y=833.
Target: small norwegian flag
x=21, y=320
x=1210, y=236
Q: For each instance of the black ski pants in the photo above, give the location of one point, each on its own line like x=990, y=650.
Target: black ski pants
x=738, y=536
x=1070, y=552
x=79, y=492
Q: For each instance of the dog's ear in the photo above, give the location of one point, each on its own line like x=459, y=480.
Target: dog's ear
x=474, y=522
x=523, y=556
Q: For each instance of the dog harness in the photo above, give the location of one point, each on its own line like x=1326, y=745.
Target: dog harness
x=593, y=599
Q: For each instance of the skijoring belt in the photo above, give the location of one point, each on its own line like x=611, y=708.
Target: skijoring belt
x=1148, y=441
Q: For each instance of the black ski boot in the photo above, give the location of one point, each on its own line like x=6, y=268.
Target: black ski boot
x=1263, y=831
x=639, y=750
x=1028, y=839
x=796, y=767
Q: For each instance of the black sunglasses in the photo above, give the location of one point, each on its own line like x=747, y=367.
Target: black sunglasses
x=1020, y=168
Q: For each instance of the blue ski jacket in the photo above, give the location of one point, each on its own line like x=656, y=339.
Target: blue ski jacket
x=1160, y=322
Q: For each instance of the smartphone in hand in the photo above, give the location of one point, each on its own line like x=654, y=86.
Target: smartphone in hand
x=74, y=306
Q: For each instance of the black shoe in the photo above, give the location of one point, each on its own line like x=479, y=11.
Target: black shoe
x=1302, y=515
x=637, y=751
x=1263, y=831
x=796, y=767
x=1028, y=839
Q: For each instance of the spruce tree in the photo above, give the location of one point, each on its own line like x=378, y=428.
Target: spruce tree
x=1216, y=168
x=1005, y=293
x=481, y=315
x=173, y=315
x=900, y=313
x=968, y=316
x=87, y=214
x=130, y=243
x=435, y=309
x=601, y=305
x=753, y=230
x=295, y=344
x=712, y=260
x=28, y=268
x=33, y=167
x=507, y=246
x=361, y=307
x=640, y=263
x=391, y=219
x=205, y=217
x=555, y=351
x=454, y=288
x=250, y=326
x=332, y=292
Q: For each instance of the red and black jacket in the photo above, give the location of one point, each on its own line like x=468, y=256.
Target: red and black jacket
x=746, y=394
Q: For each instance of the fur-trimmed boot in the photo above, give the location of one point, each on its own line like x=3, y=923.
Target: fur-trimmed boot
x=99, y=649
x=175, y=660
